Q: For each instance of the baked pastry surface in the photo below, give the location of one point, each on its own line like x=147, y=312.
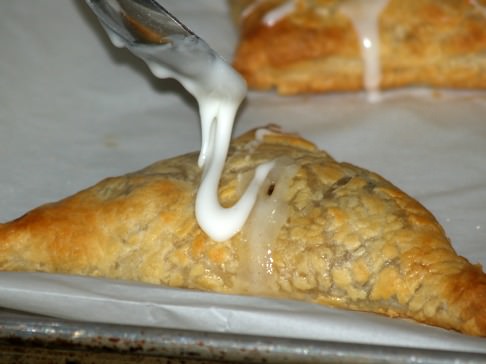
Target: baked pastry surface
x=316, y=48
x=321, y=231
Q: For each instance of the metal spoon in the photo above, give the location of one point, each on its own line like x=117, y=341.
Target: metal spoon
x=153, y=34
x=171, y=50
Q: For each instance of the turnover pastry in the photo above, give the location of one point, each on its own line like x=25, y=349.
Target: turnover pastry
x=321, y=231
x=300, y=46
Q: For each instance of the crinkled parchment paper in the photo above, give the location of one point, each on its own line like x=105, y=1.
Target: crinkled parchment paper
x=73, y=110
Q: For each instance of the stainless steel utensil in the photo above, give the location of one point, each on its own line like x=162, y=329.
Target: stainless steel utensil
x=172, y=50
x=153, y=34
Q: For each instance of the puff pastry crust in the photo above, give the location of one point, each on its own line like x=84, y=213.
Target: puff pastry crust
x=349, y=238
x=315, y=47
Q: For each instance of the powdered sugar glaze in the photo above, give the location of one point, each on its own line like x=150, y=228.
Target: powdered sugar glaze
x=364, y=15
x=219, y=91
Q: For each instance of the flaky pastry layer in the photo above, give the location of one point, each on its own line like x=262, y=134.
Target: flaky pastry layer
x=349, y=238
x=315, y=48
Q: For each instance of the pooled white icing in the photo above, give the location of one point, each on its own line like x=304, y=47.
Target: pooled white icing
x=364, y=14
x=219, y=91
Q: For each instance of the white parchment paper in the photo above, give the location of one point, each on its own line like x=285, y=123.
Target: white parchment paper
x=73, y=110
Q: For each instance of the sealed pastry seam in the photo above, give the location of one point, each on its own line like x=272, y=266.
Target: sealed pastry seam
x=322, y=231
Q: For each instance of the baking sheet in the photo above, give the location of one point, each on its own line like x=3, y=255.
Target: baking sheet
x=74, y=109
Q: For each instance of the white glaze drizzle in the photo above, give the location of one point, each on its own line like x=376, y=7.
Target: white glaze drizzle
x=263, y=226
x=217, y=110
x=262, y=132
x=247, y=10
x=259, y=138
x=219, y=91
x=481, y=8
x=364, y=14
x=278, y=13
